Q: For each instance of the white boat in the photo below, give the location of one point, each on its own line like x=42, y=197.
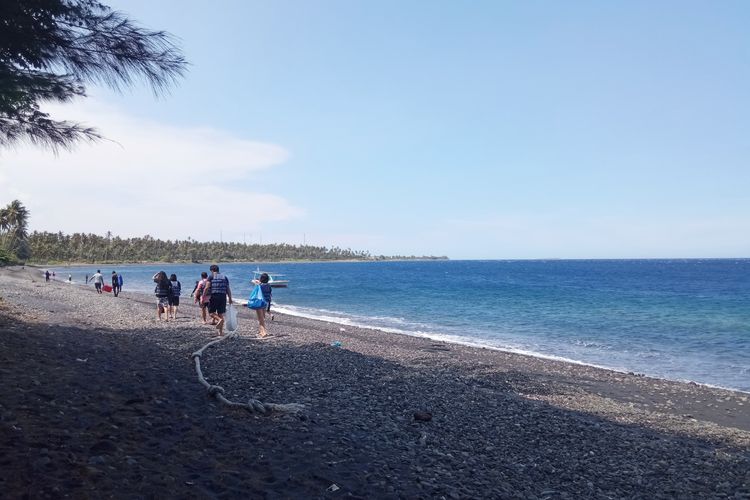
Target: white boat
x=276, y=280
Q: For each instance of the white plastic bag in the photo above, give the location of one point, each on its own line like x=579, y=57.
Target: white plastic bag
x=231, y=318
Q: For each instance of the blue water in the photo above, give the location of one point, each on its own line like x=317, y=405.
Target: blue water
x=675, y=319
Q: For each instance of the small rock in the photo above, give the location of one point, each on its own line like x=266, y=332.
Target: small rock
x=422, y=416
x=103, y=446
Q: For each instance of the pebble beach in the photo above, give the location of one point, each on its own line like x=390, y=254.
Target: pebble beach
x=99, y=399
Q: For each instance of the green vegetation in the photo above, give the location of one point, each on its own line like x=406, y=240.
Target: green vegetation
x=46, y=248
x=14, y=220
x=90, y=248
x=49, y=51
x=6, y=258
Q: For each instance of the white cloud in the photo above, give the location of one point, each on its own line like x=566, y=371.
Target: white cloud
x=149, y=178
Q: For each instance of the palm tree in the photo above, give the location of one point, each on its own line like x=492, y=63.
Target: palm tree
x=17, y=218
x=14, y=224
x=4, y=222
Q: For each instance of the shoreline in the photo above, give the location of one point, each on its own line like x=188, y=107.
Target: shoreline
x=97, y=393
x=449, y=339
x=477, y=343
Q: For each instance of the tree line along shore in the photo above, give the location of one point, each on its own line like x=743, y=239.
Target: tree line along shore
x=17, y=245
x=46, y=247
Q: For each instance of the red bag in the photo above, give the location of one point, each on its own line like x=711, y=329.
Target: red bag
x=106, y=288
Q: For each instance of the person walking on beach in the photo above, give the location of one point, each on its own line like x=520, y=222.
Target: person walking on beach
x=115, y=287
x=266, y=290
x=218, y=288
x=98, y=281
x=200, y=297
x=174, y=298
x=119, y=283
x=46, y=276
x=162, y=291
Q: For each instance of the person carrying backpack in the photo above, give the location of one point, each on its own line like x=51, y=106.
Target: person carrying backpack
x=162, y=291
x=174, y=298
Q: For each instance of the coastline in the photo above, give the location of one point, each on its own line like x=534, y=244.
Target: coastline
x=453, y=340
x=503, y=424
x=725, y=374
x=477, y=344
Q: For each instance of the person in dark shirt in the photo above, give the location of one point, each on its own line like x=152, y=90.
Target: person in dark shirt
x=174, y=299
x=162, y=291
x=115, y=284
x=218, y=288
x=266, y=290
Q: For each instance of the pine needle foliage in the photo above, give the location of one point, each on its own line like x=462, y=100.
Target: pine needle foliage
x=49, y=51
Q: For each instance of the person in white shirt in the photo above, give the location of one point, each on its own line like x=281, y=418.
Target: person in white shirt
x=98, y=280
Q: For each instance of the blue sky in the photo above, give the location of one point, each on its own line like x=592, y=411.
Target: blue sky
x=481, y=129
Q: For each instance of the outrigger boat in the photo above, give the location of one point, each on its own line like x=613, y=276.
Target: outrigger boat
x=276, y=280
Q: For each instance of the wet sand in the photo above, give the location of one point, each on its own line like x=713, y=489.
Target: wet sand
x=99, y=399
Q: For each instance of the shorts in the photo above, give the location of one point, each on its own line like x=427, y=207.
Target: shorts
x=218, y=304
x=98, y=286
x=174, y=301
x=162, y=301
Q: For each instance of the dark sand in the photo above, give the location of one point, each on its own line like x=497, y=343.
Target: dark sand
x=99, y=400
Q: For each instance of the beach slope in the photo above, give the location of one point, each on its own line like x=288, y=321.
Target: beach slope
x=99, y=399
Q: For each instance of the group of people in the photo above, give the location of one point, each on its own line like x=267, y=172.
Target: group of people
x=167, y=293
x=98, y=280
x=212, y=293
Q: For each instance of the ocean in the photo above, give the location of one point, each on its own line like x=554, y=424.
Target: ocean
x=683, y=320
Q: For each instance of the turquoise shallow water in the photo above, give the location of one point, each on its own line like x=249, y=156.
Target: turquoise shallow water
x=677, y=319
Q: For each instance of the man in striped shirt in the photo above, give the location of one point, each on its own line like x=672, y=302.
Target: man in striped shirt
x=218, y=288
